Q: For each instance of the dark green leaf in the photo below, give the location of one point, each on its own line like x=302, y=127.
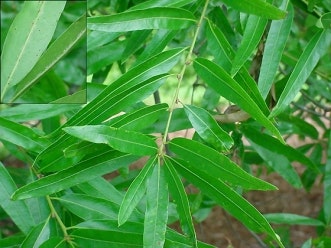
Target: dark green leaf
x=326, y=20
x=327, y=186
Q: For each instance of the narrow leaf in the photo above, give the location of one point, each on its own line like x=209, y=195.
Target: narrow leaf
x=161, y=3
x=58, y=49
x=120, y=139
x=226, y=197
x=92, y=167
x=217, y=78
x=274, y=47
x=136, y=191
x=156, y=215
x=155, y=18
x=204, y=158
x=257, y=7
x=252, y=35
x=327, y=186
x=292, y=219
x=208, y=129
x=305, y=65
x=17, y=210
x=178, y=193
x=27, y=38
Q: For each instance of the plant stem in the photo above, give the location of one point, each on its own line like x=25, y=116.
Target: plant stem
x=180, y=77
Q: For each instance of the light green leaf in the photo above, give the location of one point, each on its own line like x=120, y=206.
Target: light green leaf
x=252, y=35
x=89, y=168
x=136, y=191
x=29, y=112
x=27, y=38
x=305, y=65
x=120, y=139
x=274, y=47
x=161, y=3
x=77, y=97
x=21, y=135
x=156, y=214
x=218, y=79
x=208, y=129
x=133, y=86
x=178, y=193
x=17, y=210
x=292, y=219
x=204, y=158
x=326, y=20
x=58, y=49
x=226, y=197
x=90, y=207
x=155, y=18
x=97, y=39
x=257, y=7
x=327, y=186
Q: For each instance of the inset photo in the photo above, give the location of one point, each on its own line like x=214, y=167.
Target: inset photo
x=43, y=52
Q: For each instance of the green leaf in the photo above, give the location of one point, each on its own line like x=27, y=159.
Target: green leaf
x=178, y=193
x=252, y=35
x=161, y=3
x=120, y=139
x=90, y=207
x=58, y=49
x=156, y=215
x=326, y=20
x=208, y=129
x=226, y=197
x=77, y=97
x=327, y=186
x=136, y=191
x=57, y=242
x=127, y=90
x=204, y=158
x=155, y=18
x=17, y=210
x=91, y=167
x=257, y=7
x=305, y=65
x=277, y=36
x=27, y=38
x=21, y=135
x=29, y=112
x=217, y=78
x=12, y=241
x=292, y=219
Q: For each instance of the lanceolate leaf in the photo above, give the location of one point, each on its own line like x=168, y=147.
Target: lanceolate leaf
x=17, y=210
x=217, y=78
x=156, y=215
x=226, y=197
x=156, y=18
x=208, y=129
x=327, y=185
x=274, y=47
x=59, y=48
x=178, y=193
x=292, y=219
x=161, y=3
x=127, y=90
x=257, y=7
x=136, y=191
x=27, y=38
x=86, y=170
x=305, y=65
x=120, y=139
x=204, y=158
x=253, y=32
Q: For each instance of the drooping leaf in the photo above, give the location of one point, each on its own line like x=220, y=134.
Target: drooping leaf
x=17, y=210
x=122, y=93
x=87, y=169
x=177, y=191
x=208, y=129
x=27, y=38
x=156, y=214
x=252, y=35
x=203, y=158
x=120, y=139
x=274, y=47
x=217, y=78
x=21, y=135
x=226, y=197
x=58, y=49
x=292, y=219
x=155, y=18
x=257, y=7
x=305, y=65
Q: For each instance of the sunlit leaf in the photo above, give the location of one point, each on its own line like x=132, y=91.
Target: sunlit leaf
x=292, y=219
